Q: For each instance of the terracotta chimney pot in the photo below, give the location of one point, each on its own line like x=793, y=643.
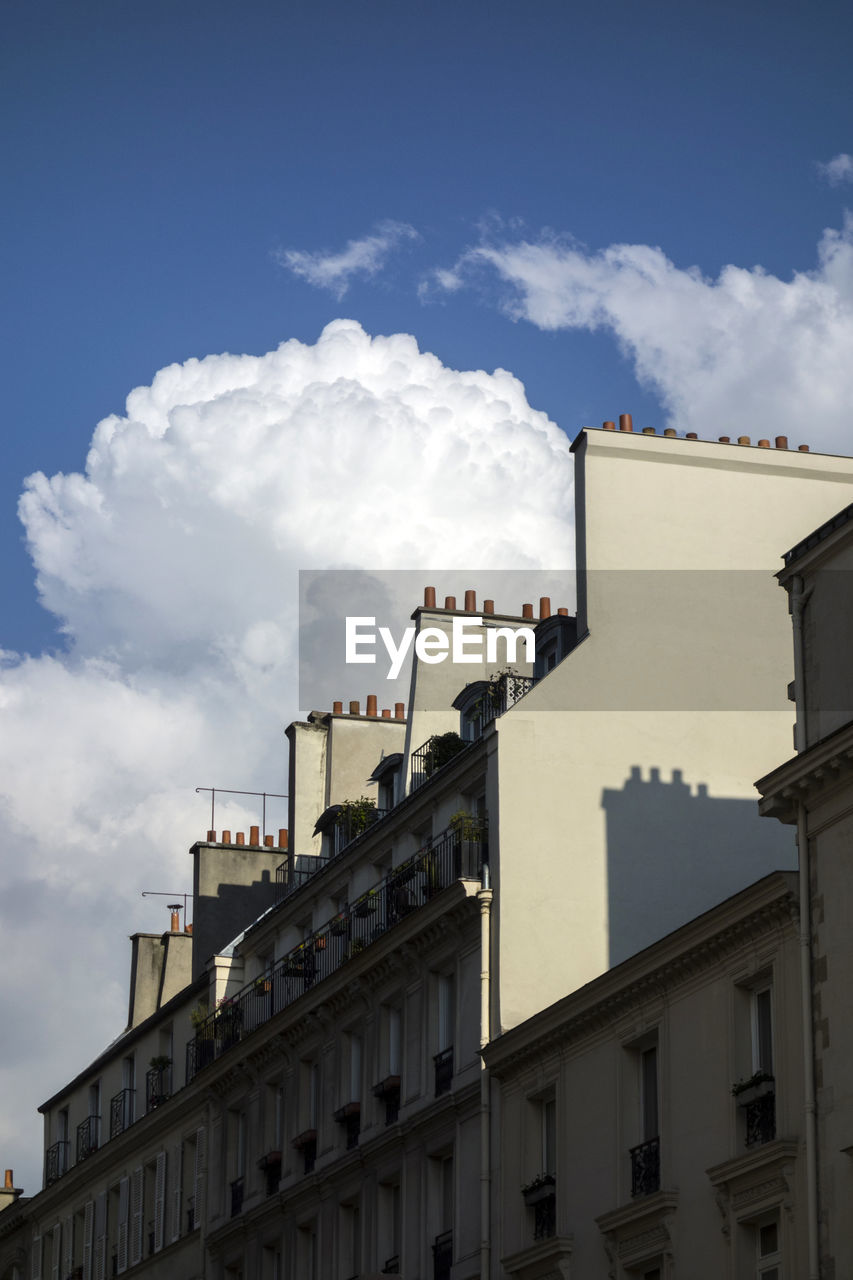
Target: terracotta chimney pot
x=10, y=1181
x=268, y=841
x=544, y=606
x=399, y=710
x=429, y=597
x=488, y=606
x=743, y=440
x=527, y=611
x=241, y=837
x=386, y=714
x=626, y=422
x=608, y=426
x=254, y=835
x=470, y=601
x=804, y=448
x=781, y=442
x=282, y=837
x=649, y=431
x=563, y=612
x=226, y=837
x=764, y=444
x=450, y=602
x=670, y=432
x=211, y=837
x=337, y=708
x=691, y=435
x=371, y=705
x=354, y=708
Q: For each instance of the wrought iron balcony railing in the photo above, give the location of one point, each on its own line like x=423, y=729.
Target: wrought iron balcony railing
x=435, y=753
x=87, y=1137
x=298, y=868
x=405, y=889
x=443, y=1071
x=645, y=1168
x=760, y=1119
x=158, y=1087
x=442, y=1256
x=121, y=1112
x=56, y=1160
x=502, y=694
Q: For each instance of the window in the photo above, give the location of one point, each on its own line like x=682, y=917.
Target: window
x=769, y=1257
x=755, y=1090
x=645, y=1156
x=443, y=1059
x=350, y=1240
x=549, y=1136
x=762, y=1031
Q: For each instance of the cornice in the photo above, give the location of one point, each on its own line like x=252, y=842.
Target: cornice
x=812, y=772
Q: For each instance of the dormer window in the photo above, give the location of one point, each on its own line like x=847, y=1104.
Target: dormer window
x=555, y=638
x=386, y=775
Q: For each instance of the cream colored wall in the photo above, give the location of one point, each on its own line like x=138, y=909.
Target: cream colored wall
x=356, y=746
x=666, y=680
x=307, y=785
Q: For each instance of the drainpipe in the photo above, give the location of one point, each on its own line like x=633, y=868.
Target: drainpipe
x=799, y=598
x=485, y=899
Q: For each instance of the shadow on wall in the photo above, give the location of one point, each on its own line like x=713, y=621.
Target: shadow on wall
x=672, y=854
x=219, y=917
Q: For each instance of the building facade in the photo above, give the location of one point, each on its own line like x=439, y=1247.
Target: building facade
x=337, y=1075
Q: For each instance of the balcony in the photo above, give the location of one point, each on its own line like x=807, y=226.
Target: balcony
x=158, y=1087
x=407, y=888
x=56, y=1160
x=87, y=1137
x=388, y=1091
x=435, y=753
x=443, y=1063
x=645, y=1168
x=503, y=693
x=540, y=1195
x=442, y=1256
x=349, y=1117
x=121, y=1112
x=306, y=1143
x=760, y=1116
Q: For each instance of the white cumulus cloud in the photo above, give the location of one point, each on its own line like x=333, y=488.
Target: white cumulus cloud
x=743, y=353
x=837, y=170
x=172, y=561
x=364, y=257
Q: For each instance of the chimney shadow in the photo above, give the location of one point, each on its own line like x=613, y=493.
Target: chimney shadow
x=673, y=853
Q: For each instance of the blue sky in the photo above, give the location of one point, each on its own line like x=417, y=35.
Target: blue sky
x=627, y=207
x=158, y=156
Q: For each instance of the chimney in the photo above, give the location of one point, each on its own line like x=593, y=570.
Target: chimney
x=725, y=440
x=450, y=602
x=544, y=606
x=282, y=837
x=268, y=841
x=608, y=426
x=764, y=444
x=626, y=422
x=563, y=612
x=371, y=705
x=781, y=442
x=743, y=439
x=691, y=435
x=10, y=1181
x=648, y=431
x=488, y=606
x=386, y=714
x=354, y=708
x=337, y=708
x=188, y=928
x=254, y=835
x=804, y=448
x=241, y=837
x=527, y=611
x=399, y=710
x=429, y=597
x=211, y=837
x=470, y=601
x=226, y=837
x=175, y=922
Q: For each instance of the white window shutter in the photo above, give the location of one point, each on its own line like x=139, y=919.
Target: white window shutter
x=101, y=1236
x=56, y=1254
x=35, y=1258
x=136, y=1217
x=159, y=1201
x=88, y=1236
x=123, y=1207
x=68, y=1247
x=199, y=1174
x=176, y=1193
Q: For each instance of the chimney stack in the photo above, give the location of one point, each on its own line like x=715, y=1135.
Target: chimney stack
x=175, y=923
x=626, y=422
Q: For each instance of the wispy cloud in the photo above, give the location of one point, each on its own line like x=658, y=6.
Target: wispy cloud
x=365, y=257
x=745, y=352
x=837, y=170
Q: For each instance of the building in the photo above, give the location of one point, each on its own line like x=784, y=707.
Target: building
x=327, y=1111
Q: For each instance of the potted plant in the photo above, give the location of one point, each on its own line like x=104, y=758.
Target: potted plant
x=339, y=924
x=442, y=747
x=263, y=985
x=200, y=1014
x=758, y=1084
x=367, y=903
x=355, y=816
x=160, y=1062
x=540, y=1188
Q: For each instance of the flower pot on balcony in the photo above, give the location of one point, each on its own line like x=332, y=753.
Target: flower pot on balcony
x=365, y=908
x=757, y=1086
x=320, y=944
x=339, y=928
x=542, y=1188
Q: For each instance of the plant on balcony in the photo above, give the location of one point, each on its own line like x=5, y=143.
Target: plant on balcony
x=262, y=986
x=200, y=1014
x=441, y=748
x=355, y=816
x=339, y=924
x=367, y=903
x=754, y=1082
x=160, y=1062
x=467, y=826
x=539, y=1188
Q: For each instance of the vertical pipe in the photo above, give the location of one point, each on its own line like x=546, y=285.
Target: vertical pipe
x=485, y=899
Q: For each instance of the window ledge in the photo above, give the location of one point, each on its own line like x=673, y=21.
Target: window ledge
x=541, y=1260
x=760, y=1179
x=639, y=1231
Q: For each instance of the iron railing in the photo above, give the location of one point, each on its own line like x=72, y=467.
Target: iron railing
x=296, y=870
x=348, y=829
x=761, y=1119
x=87, y=1137
x=404, y=890
x=56, y=1162
x=645, y=1168
x=443, y=1071
x=433, y=756
x=442, y=1256
x=121, y=1112
x=349, y=1117
x=158, y=1087
x=502, y=694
